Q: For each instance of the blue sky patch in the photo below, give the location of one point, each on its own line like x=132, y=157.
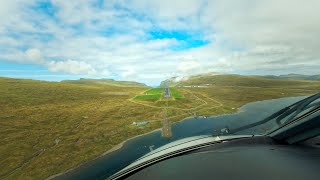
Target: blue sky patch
x=14, y=66
x=187, y=40
x=190, y=44
x=45, y=7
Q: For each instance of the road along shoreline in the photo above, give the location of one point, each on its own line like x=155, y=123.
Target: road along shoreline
x=120, y=145
x=117, y=147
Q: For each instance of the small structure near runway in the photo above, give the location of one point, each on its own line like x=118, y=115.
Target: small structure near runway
x=141, y=123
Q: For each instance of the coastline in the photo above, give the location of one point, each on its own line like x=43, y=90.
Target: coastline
x=118, y=146
x=123, y=142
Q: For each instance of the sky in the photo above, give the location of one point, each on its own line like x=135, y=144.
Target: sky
x=149, y=41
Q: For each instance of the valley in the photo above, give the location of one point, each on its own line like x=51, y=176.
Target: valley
x=49, y=127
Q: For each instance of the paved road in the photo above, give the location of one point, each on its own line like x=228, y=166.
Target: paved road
x=167, y=92
x=166, y=126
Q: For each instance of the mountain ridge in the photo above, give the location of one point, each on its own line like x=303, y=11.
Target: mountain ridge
x=104, y=81
x=239, y=80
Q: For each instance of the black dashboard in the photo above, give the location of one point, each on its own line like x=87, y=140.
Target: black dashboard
x=248, y=158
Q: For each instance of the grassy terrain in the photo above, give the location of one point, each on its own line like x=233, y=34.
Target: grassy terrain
x=233, y=91
x=295, y=77
x=175, y=93
x=110, y=82
x=152, y=97
x=47, y=128
x=152, y=94
x=50, y=127
x=247, y=81
x=154, y=91
x=155, y=94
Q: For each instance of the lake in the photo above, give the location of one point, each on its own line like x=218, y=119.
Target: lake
x=110, y=163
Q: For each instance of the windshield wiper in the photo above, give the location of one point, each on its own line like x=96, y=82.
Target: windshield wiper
x=293, y=109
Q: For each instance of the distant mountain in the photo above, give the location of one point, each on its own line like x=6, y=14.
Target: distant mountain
x=173, y=81
x=295, y=77
x=110, y=82
x=235, y=80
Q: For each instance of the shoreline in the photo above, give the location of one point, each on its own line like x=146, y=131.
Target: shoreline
x=115, y=148
x=120, y=145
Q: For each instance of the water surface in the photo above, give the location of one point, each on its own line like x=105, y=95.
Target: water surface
x=108, y=164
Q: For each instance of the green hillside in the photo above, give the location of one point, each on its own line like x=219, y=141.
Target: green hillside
x=49, y=127
x=295, y=77
x=104, y=82
x=155, y=94
x=233, y=90
x=240, y=80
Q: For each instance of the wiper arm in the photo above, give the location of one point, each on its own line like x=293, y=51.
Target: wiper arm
x=295, y=108
x=298, y=107
x=259, y=122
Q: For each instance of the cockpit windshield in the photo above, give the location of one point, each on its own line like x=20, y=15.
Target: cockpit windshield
x=89, y=86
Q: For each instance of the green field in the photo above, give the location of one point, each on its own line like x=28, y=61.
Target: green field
x=109, y=82
x=152, y=94
x=148, y=97
x=157, y=93
x=154, y=91
x=175, y=93
x=49, y=127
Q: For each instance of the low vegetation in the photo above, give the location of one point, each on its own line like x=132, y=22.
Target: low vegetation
x=175, y=93
x=152, y=97
x=295, y=77
x=49, y=127
x=155, y=94
x=154, y=91
x=110, y=82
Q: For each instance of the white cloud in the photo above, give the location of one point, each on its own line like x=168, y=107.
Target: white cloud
x=75, y=67
x=188, y=66
x=34, y=55
x=82, y=11
x=128, y=72
x=263, y=36
x=270, y=33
